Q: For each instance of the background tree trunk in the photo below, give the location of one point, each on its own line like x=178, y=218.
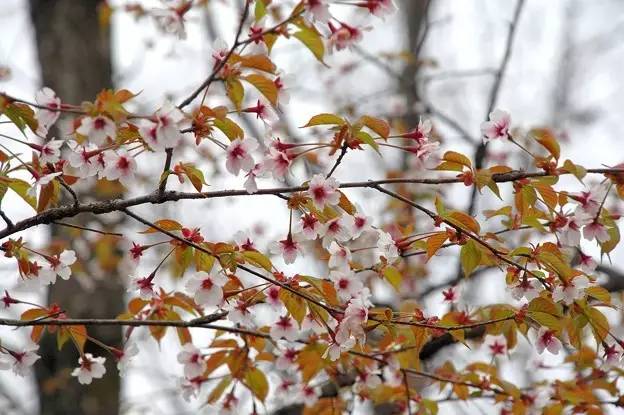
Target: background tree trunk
x=74, y=54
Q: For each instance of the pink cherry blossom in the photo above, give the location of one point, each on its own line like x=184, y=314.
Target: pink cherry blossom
x=125, y=356
x=50, y=151
x=239, y=155
x=571, y=290
x=546, y=339
x=97, y=129
x=340, y=256
x=497, y=126
x=347, y=284
x=451, y=295
x=59, y=265
x=337, y=229
x=612, y=355
x=589, y=201
x=46, y=97
x=20, y=361
x=285, y=327
x=344, y=37
x=168, y=119
x=496, y=345
x=277, y=162
x=239, y=313
x=245, y=241
x=84, y=158
x=193, y=361
x=256, y=171
x=423, y=152
x=263, y=111
x=379, y=8
x=272, y=297
x=89, y=368
x=586, y=263
x=288, y=248
x=596, y=230
x=308, y=226
x=207, y=289
x=570, y=232
x=317, y=10
x=144, y=286
x=309, y=395
x=323, y=191
x=387, y=246
x=190, y=387
x=286, y=359
x=40, y=181
x=119, y=166
x=171, y=21
x=420, y=133
x=527, y=289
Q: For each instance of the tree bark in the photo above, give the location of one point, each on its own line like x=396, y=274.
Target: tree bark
x=74, y=55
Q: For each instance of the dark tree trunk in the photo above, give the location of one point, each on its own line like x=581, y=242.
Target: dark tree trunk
x=74, y=54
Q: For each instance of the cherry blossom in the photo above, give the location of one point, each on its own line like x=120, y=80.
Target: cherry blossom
x=84, y=158
x=277, y=162
x=497, y=126
x=286, y=359
x=119, y=166
x=496, y=345
x=59, y=265
x=546, y=339
x=124, y=357
x=239, y=313
x=163, y=131
x=308, y=226
x=245, y=241
x=256, y=171
x=387, y=246
x=317, y=10
x=40, y=181
x=527, y=289
x=239, y=155
x=97, y=129
x=284, y=327
x=337, y=229
x=421, y=132
x=344, y=37
x=367, y=379
x=7, y=300
x=229, y=406
x=423, y=152
x=171, y=20
x=379, y=8
x=272, y=297
x=220, y=50
x=281, y=81
x=347, y=284
x=340, y=256
x=190, y=387
x=309, y=395
x=586, y=263
x=335, y=349
x=361, y=223
x=451, y=295
x=612, y=355
x=310, y=323
x=20, y=362
x=207, y=289
x=596, y=230
x=392, y=374
x=89, y=368
x=50, y=152
x=46, y=97
x=193, y=361
x=589, y=201
x=263, y=111
x=571, y=290
x=323, y=191
x=288, y=248
x=144, y=286
x=570, y=232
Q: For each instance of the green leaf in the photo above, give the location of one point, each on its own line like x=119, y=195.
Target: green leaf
x=264, y=85
x=229, y=128
x=470, y=257
x=378, y=125
x=235, y=92
x=366, y=138
x=21, y=188
x=260, y=10
x=393, y=276
x=325, y=119
x=257, y=383
x=257, y=259
x=312, y=40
